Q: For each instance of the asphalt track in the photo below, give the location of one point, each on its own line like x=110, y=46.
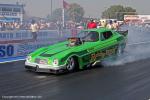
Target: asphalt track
x=128, y=80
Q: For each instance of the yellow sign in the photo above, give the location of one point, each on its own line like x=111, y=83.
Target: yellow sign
x=102, y=54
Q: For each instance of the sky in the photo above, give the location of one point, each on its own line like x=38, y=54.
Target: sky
x=93, y=8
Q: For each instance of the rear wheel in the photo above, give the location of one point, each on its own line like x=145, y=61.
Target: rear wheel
x=120, y=50
x=71, y=64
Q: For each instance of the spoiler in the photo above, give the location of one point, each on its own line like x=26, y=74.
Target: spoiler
x=124, y=33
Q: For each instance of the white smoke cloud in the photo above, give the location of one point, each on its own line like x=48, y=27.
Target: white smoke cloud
x=138, y=47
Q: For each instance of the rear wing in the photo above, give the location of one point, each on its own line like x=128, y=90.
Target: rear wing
x=124, y=33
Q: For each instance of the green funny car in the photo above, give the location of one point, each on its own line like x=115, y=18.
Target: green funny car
x=89, y=47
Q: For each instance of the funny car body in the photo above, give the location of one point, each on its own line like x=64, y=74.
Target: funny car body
x=89, y=47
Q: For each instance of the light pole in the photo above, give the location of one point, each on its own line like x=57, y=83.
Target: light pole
x=51, y=6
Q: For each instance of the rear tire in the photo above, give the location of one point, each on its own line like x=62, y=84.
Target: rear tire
x=120, y=50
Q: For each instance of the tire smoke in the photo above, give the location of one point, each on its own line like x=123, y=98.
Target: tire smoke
x=138, y=46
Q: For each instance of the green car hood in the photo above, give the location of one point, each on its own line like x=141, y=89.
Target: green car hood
x=61, y=49
x=53, y=49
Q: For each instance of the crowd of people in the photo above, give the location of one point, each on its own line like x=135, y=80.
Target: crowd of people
x=114, y=25
x=7, y=26
x=35, y=26
x=4, y=26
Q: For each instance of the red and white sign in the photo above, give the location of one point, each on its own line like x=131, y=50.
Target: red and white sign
x=136, y=18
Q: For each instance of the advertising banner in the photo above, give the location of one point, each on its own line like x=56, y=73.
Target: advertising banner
x=16, y=45
x=140, y=19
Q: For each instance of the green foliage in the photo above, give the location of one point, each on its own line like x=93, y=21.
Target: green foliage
x=56, y=15
x=75, y=12
x=118, y=12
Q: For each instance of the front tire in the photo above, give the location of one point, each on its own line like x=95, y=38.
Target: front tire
x=71, y=64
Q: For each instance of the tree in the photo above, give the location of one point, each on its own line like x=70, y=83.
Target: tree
x=118, y=12
x=75, y=12
x=56, y=15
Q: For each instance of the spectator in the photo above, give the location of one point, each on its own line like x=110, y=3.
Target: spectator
x=91, y=24
x=34, y=29
x=59, y=27
x=73, y=30
x=110, y=25
x=115, y=25
x=99, y=25
x=103, y=24
x=1, y=26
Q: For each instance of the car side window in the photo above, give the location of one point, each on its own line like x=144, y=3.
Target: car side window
x=106, y=35
x=91, y=36
x=94, y=36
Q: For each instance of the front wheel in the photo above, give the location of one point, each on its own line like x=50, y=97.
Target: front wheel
x=71, y=64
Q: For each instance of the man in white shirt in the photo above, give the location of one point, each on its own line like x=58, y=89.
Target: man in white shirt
x=110, y=25
x=34, y=29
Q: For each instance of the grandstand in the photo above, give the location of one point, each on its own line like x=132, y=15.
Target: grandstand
x=11, y=12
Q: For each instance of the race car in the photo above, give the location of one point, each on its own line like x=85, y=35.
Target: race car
x=90, y=46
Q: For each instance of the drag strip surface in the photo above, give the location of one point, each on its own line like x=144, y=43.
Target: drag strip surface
x=126, y=82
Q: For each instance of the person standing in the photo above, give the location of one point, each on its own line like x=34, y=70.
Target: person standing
x=110, y=25
x=73, y=30
x=115, y=25
x=91, y=24
x=34, y=29
x=1, y=26
x=59, y=27
x=103, y=23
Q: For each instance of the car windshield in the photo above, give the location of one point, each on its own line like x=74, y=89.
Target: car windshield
x=89, y=36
